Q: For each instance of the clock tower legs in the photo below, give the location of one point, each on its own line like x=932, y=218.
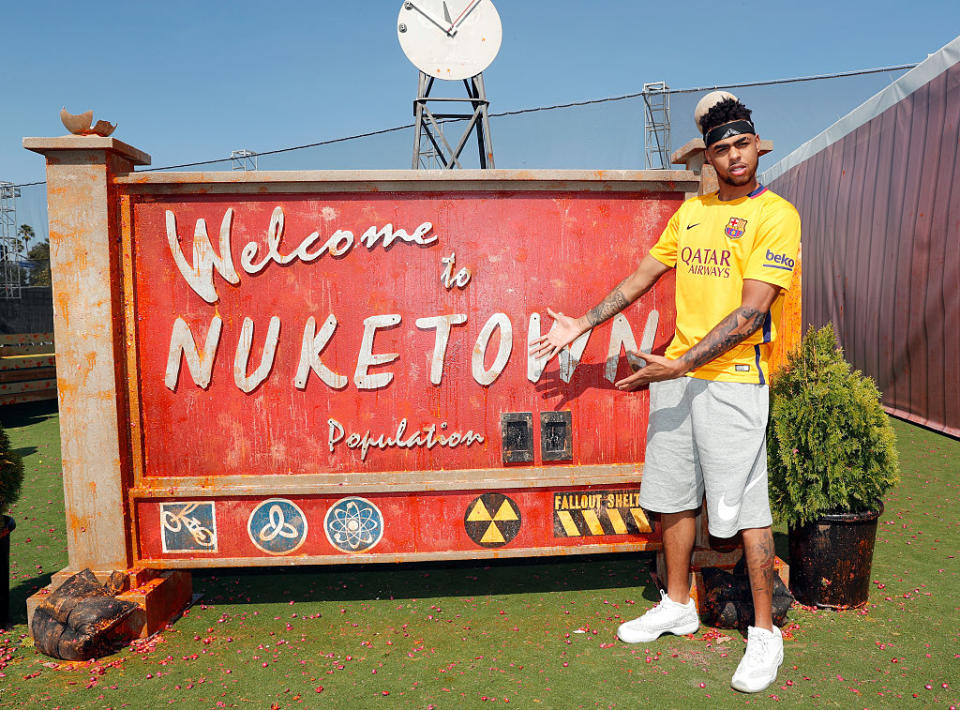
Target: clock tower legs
x=431, y=149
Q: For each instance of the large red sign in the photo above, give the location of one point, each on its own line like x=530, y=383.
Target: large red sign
x=326, y=373
x=367, y=333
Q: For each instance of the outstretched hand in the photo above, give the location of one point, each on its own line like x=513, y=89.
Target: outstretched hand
x=566, y=331
x=657, y=369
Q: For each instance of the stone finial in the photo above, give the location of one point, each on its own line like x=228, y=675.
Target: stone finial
x=79, y=124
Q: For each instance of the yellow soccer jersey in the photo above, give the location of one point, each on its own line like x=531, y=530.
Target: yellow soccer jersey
x=714, y=246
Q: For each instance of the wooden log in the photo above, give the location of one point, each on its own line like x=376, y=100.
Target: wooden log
x=20, y=338
x=26, y=349
x=26, y=362
x=36, y=396
x=24, y=374
x=82, y=619
x=28, y=386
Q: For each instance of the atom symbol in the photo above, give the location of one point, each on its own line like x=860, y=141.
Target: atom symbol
x=353, y=526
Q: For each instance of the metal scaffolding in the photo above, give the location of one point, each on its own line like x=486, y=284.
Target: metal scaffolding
x=656, y=125
x=243, y=159
x=428, y=158
x=11, y=255
x=436, y=151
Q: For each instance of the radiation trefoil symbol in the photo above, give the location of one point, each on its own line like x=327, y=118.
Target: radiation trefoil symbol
x=492, y=520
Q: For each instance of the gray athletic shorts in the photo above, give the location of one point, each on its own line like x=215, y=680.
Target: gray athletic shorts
x=708, y=437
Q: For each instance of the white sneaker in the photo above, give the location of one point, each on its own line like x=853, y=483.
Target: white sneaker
x=666, y=617
x=759, y=665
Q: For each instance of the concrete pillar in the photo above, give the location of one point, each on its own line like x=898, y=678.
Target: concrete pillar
x=91, y=371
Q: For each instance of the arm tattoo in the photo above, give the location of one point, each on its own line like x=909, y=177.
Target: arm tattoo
x=608, y=307
x=733, y=329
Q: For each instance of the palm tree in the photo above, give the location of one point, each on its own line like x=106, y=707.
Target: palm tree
x=37, y=256
x=25, y=233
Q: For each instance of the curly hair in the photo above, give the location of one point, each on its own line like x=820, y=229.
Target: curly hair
x=724, y=112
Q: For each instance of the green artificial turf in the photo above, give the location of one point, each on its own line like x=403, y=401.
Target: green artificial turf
x=530, y=633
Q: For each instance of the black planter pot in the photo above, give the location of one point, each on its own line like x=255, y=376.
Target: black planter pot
x=830, y=559
x=7, y=525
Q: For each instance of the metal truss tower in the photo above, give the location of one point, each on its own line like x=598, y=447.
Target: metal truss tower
x=243, y=159
x=656, y=125
x=10, y=251
x=436, y=151
x=428, y=158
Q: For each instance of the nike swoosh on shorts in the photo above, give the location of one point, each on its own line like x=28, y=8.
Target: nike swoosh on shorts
x=727, y=512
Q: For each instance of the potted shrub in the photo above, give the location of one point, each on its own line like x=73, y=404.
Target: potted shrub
x=831, y=456
x=11, y=478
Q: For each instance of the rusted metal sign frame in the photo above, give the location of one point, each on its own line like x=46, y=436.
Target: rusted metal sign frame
x=505, y=479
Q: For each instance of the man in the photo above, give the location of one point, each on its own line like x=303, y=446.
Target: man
x=734, y=252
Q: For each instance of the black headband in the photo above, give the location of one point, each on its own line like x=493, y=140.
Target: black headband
x=734, y=128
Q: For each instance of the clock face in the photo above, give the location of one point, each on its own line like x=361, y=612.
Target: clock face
x=449, y=39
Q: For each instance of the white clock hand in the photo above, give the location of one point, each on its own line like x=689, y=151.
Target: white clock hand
x=411, y=6
x=461, y=17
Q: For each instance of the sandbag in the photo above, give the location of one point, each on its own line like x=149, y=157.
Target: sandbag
x=729, y=601
x=83, y=619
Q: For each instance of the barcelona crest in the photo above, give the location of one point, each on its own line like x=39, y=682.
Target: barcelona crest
x=735, y=227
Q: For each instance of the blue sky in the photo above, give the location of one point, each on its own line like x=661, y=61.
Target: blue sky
x=194, y=80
